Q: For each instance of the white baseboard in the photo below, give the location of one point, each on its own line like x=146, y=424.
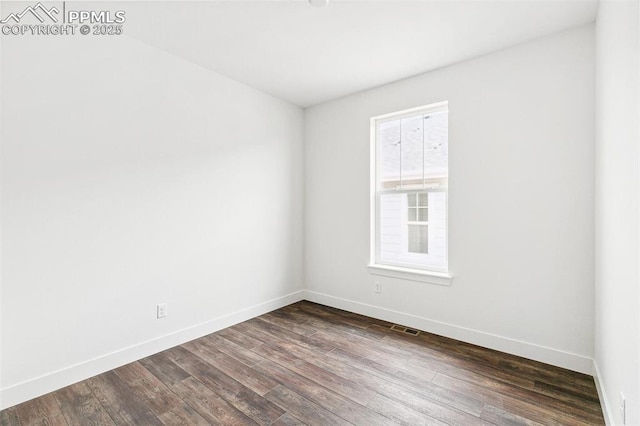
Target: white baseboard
x=602, y=395
x=551, y=356
x=38, y=386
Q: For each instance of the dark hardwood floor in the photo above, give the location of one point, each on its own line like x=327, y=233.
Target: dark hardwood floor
x=311, y=364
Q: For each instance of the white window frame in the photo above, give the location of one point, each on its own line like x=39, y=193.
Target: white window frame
x=440, y=277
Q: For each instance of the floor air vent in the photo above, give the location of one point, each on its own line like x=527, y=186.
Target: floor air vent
x=405, y=330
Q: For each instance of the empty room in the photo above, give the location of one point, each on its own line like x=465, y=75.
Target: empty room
x=320, y=212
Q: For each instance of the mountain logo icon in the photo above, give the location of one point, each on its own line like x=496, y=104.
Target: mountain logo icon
x=33, y=10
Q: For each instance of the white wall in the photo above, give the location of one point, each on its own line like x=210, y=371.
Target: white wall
x=617, y=336
x=1, y=237
x=129, y=178
x=521, y=201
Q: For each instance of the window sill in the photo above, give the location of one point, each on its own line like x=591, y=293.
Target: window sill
x=438, y=278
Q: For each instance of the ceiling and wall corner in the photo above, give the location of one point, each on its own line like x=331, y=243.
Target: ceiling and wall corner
x=307, y=55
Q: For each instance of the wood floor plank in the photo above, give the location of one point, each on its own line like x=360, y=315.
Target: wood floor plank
x=293, y=312
x=345, y=370
x=400, y=412
x=322, y=376
x=80, y=407
x=325, y=398
x=161, y=367
x=447, y=355
x=502, y=417
x=512, y=364
x=571, y=395
x=484, y=361
x=232, y=349
x=446, y=407
x=119, y=400
x=288, y=420
x=400, y=364
x=538, y=408
x=346, y=317
x=536, y=370
x=150, y=390
x=416, y=400
x=336, y=325
x=267, y=338
x=302, y=328
x=255, y=381
x=369, y=333
x=182, y=415
x=9, y=417
x=451, y=363
x=326, y=322
x=209, y=404
x=41, y=411
x=310, y=342
x=366, y=338
x=390, y=373
x=237, y=336
x=303, y=409
x=244, y=399
x=388, y=385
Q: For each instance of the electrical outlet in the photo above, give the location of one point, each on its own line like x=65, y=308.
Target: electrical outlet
x=378, y=288
x=162, y=310
x=623, y=409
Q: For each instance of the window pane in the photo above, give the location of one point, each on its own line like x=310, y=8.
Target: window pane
x=411, y=214
x=418, y=238
x=423, y=214
x=411, y=200
x=388, y=172
x=424, y=199
x=412, y=151
x=436, y=152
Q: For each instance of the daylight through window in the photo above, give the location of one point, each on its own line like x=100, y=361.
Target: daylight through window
x=410, y=188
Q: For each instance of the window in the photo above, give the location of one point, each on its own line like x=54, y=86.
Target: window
x=410, y=170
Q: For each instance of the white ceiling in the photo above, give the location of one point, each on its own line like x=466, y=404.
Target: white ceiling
x=307, y=55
